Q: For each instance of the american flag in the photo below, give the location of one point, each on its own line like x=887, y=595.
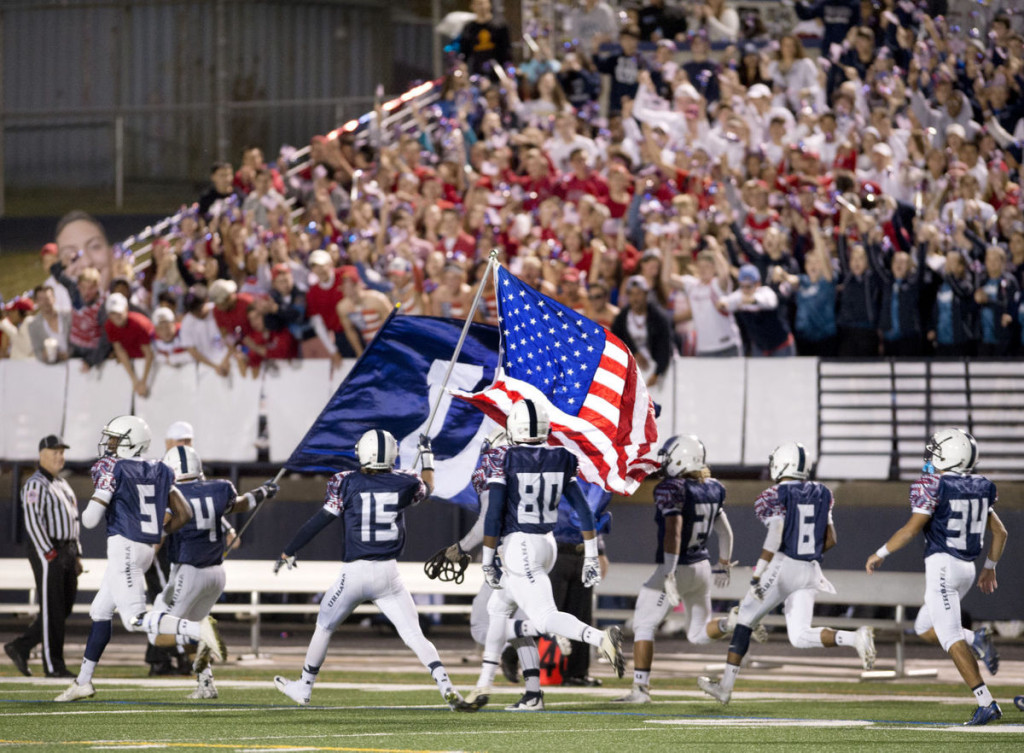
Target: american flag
x=583, y=375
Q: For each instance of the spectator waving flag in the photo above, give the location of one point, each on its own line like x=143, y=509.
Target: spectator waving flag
x=586, y=378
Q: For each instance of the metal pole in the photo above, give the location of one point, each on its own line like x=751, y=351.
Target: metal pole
x=119, y=161
x=220, y=79
x=252, y=517
x=491, y=259
x=435, y=38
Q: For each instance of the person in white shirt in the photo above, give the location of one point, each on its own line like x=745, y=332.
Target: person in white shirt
x=168, y=347
x=200, y=335
x=717, y=333
x=565, y=141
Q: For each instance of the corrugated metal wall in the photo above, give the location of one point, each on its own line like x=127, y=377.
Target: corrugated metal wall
x=291, y=69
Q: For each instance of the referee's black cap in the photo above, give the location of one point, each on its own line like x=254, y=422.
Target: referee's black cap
x=52, y=442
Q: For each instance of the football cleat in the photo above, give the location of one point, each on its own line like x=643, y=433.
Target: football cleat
x=564, y=645
x=209, y=639
x=984, y=715
x=985, y=649
x=510, y=664
x=297, y=690
x=455, y=702
x=204, y=690
x=478, y=698
x=864, y=642
x=611, y=649
x=1019, y=702
x=639, y=694
x=714, y=689
x=202, y=660
x=76, y=692
x=17, y=658
x=529, y=702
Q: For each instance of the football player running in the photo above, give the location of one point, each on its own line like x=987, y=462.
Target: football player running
x=140, y=503
x=952, y=506
x=490, y=607
x=523, y=498
x=196, y=551
x=688, y=506
x=372, y=502
x=798, y=515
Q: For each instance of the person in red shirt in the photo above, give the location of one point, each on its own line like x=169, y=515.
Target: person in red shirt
x=130, y=333
x=322, y=305
x=264, y=344
x=581, y=180
x=229, y=307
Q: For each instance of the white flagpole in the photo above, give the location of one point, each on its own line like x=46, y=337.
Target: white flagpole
x=491, y=260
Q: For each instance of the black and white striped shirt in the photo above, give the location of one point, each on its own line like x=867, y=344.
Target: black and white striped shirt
x=51, y=511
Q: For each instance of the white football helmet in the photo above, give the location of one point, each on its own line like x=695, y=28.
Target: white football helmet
x=527, y=423
x=125, y=436
x=497, y=438
x=682, y=454
x=185, y=463
x=952, y=449
x=377, y=450
x=789, y=460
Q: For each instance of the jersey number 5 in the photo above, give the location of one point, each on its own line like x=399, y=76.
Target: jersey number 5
x=378, y=519
x=147, y=509
x=538, y=492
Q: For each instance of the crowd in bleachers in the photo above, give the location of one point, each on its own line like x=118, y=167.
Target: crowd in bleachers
x=851, y=190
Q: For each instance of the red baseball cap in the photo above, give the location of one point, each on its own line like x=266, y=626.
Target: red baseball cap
x=21, y=303
x=350, y=272
x=279, y=269
x=49, y=249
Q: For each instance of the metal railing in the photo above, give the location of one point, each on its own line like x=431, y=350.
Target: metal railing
x=397, y=114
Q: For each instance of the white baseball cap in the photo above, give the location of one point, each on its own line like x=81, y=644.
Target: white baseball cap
x=319, y=257
x=180, y=430
x=221, y=290
x=757, y=91
x=163, y=314
x=117, y=304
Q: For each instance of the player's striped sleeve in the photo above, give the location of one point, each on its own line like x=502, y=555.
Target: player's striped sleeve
x=102, y=473
x=332, y=499
x=768, y=506
x=924, y=494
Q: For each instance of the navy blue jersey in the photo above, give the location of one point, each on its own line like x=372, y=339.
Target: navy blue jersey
x=136, y=492
x=200, y=542
x=371, y=507
x=958, y=506
x=807, y=508
x=535, y=477
x=699, y=504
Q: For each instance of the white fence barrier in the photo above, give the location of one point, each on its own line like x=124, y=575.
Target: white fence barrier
x=740, y=408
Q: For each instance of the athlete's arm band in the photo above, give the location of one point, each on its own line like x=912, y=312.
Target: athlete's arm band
x=989, y=564
x=882, y=552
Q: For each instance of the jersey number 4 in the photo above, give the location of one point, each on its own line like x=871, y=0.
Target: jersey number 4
x=380, y=509
x=538, y=493
x=203, y=515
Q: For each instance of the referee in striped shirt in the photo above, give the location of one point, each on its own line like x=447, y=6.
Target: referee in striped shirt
x=51, y=517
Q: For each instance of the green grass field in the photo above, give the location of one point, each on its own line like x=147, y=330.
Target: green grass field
x=400, y=712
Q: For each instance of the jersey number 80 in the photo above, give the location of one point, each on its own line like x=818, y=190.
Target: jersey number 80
x=539, y=493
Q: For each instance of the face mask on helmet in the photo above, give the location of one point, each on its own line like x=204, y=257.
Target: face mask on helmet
x=682, y=454
x=789, y=461
x=125, y=437
x=951, y=449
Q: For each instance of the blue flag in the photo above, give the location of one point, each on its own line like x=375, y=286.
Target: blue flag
x=393, y=386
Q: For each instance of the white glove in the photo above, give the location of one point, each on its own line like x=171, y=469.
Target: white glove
x=454, y=553
x=285, y=560
x=672, y=590
x=723, y=573
x=591, y=571
x=492, y=576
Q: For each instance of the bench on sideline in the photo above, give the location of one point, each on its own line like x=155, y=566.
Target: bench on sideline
x=255, y=578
